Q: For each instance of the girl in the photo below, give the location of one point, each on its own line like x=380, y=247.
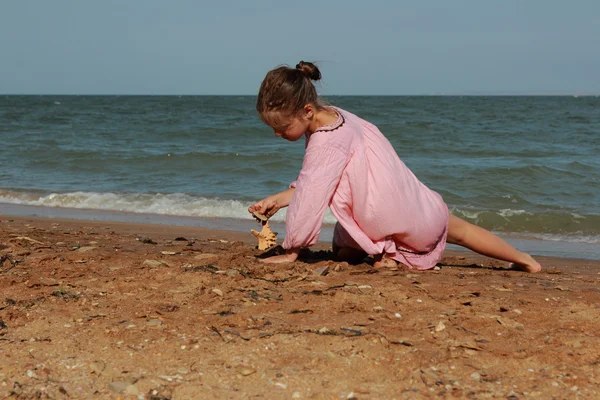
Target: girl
x=381, y=207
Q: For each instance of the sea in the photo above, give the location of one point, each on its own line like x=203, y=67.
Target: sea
x=524, y=167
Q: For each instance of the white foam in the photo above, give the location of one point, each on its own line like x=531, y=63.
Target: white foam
x=179, y=204
x=507, y=212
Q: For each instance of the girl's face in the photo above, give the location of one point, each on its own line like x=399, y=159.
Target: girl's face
x=293, y=129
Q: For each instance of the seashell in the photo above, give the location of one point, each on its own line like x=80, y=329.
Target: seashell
x=266, y=237
x=260, y=216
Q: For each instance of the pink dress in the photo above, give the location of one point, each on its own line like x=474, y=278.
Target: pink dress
x=379, y=203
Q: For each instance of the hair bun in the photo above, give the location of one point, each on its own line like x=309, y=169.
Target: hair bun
x=309, y=70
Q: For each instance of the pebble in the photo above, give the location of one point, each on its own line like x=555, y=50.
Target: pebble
x=97, y=366
x=296, y=395
x=131, y=390
x=476, y=376
x=322, y=271
x=118, y=386
x=154, y=322
x=218, y=292
x=245, y=371
x=440, y=326
x=398, y=315
x=85, y=248
x=153, y=263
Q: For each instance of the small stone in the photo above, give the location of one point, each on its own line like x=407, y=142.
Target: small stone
x=440, y=326
x=281, y=385
x=398, y=315
x=85, y=249
x=322, y=271
x=377, y=308
x=436, y=268
x=154, y=322
x=296, y=395
x=245, y=371
x=339, y=267
x=131, y=390
x=154, y=263
x=146, y=239
x=476, y=376
x=323, y=331
x=97, y=366
x=118, y=386
x=169, y=253
x=205, y=256
x=233, y=273
x=218, y=292
x=449, y=312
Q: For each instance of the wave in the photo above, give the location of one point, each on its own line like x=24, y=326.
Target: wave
x=555, y=225
x=178, y=204
x=564, y=226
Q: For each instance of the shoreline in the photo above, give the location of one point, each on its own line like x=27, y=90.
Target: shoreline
x=202, y=233
x=535, y=247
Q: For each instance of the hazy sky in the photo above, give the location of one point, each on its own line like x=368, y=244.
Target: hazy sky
x=363, y=47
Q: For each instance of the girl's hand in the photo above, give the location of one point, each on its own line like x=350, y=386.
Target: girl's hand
x=266, y=207
x=290, y=255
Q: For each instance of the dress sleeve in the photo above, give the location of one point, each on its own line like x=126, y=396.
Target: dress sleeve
x=321, y=171
x=307, y=140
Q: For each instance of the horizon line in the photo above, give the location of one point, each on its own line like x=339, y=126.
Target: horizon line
x=450, y=94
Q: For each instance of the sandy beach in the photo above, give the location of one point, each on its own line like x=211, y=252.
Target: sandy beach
x=96, y=309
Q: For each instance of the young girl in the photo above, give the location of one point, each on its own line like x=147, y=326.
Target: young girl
x=381, y=207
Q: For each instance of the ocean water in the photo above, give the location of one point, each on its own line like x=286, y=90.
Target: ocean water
x=527, y=168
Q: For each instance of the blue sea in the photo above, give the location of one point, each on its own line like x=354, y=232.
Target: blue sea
x=527, y=168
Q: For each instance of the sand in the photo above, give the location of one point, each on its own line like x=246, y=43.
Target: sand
x=120, y=310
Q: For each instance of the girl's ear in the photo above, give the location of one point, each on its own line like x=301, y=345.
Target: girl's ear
x=309, y=111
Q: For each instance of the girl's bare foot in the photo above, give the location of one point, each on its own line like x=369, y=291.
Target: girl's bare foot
x=381, y=261
x=529, y=265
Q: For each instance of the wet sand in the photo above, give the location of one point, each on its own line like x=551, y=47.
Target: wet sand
x=97, y=309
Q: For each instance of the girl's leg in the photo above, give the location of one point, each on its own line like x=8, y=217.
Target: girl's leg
x=345, y=248
x=484, y=242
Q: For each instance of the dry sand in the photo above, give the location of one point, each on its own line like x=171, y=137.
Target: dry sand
x=118, y=310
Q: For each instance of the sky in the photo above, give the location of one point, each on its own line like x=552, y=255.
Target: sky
x=225, y=47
